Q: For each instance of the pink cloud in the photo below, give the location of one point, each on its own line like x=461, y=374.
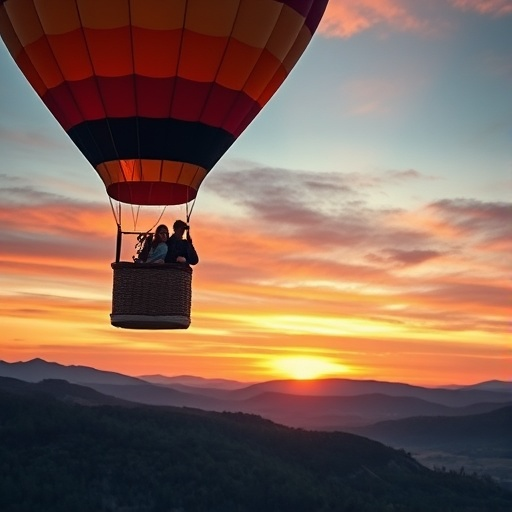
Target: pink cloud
x=484, y=221
x=492, y=7
x=34, y=141
x=404, y=257
x=347, y=18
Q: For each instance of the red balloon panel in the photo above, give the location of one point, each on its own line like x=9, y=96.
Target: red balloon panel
x=146, y=88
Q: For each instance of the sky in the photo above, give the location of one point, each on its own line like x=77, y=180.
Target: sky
x=360, y=228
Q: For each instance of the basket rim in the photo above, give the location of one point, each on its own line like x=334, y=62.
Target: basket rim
x=184, y=267
x=150, y=321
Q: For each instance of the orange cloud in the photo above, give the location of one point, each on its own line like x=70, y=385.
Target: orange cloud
x=291, y=270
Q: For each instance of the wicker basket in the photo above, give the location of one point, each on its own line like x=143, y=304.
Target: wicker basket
x=151, y=295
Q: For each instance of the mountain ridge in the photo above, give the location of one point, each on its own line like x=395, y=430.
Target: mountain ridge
x=63, y=456
x=316, y=412
x=38, y=369
x=303, y=406
x=304, y=386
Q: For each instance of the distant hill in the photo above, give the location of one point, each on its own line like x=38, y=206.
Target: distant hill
x=62, y=390
x=66, y=457
x=189, y=381
x=339, y=412
x=346, y=387
x=490, y=385
x=152, y=394
x=329, y=404
x=481, y=433
x=493, y=385
x=37, y=369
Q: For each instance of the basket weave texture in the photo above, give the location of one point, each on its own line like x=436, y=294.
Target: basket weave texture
x=152, y=289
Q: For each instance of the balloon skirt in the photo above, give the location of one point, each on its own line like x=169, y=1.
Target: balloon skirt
x=151, y=296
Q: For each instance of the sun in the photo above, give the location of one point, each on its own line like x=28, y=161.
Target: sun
x=308, y=367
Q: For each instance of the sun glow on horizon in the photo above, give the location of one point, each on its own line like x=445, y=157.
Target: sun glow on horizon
x=308, y=367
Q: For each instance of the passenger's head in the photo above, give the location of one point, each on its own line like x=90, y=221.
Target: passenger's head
x=179, y=228
x=162, y=233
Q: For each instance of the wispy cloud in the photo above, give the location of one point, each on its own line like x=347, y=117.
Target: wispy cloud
x=31, y=140
x=310, y=253
x=293, y=240
x=404, y=257
x=486, y=223
x=348, y=18
x=492, y=7
x=373, y=96
x=49, y=230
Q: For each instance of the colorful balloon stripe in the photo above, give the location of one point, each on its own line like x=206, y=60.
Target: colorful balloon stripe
x=155, y=91
x=99, y=98
x=188, y=55
x=151, y=181
x=152, y=139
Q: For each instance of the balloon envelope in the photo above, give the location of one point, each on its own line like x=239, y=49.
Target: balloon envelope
x=154, y=92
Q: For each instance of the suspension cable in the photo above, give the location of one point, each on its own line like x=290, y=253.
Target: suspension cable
x=117, y=217
x=189, y=212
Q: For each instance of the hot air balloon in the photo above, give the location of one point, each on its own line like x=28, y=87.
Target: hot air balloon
x=153, y=93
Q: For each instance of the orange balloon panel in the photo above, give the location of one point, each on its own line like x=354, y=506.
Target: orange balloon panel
x=155, y=92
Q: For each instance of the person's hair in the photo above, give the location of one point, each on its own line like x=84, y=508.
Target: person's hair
x=156, y=240
x=179, y=224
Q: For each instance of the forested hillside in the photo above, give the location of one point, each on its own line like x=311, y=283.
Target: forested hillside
x=488, y=433
x=59, y=456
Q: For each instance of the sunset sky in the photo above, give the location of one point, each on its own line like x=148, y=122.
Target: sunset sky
x=361, y=227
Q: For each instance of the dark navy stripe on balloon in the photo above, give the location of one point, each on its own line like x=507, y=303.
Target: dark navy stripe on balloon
x=312, y=10
x=315, y=15
x=301, y=6
x=105, y=140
